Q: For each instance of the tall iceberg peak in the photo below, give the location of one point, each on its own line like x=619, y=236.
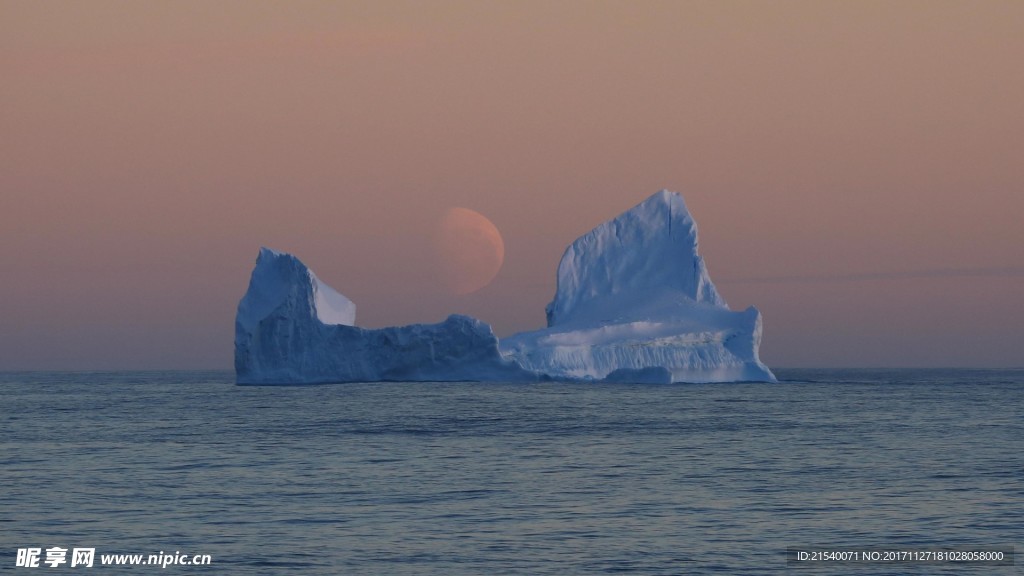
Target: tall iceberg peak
x=279, y=278
x=635, y=301
x=647, y=250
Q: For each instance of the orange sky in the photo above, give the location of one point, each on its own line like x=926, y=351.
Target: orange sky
x=148, y=149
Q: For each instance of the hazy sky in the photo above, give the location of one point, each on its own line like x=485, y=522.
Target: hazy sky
x=856, y=168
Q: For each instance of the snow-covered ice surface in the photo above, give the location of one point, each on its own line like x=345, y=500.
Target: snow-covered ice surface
x=635, y=300
x=291, y=328
x=634, y=304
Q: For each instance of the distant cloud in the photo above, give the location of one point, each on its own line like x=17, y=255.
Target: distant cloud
x=998, y=272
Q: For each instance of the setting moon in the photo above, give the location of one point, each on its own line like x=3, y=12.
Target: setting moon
x=469, y=249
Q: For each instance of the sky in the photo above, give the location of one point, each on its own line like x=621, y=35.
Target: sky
x=856, y=168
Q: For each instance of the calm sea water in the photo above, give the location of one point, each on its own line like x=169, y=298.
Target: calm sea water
x=457, y=479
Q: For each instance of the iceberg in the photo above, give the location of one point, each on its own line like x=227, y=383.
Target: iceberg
x=291, y=328
x=634, y=303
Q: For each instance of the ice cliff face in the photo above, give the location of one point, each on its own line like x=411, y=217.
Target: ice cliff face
x=291, y=328
x=650, y=248
x=634, y=300
x=280, y=278
x=634, y=303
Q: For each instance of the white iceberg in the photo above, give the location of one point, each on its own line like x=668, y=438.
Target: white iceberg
x=634, y=300
x=634, y=304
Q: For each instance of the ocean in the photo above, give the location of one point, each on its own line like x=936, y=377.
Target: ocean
x=487, y=478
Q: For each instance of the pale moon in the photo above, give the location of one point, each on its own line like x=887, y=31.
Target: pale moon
x=469, y=248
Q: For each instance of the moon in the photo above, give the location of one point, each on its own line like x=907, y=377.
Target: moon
x=469, y=248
